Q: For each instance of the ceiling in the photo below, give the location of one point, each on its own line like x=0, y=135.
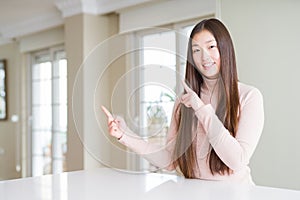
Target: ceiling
x=22, y=17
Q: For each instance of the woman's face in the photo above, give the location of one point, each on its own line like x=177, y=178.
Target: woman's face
x=206, y=54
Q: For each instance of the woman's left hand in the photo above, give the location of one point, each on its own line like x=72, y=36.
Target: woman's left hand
x=190, y=98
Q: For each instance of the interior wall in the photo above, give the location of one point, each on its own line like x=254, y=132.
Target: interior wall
x=88, y=142
x=10, y=138
x=42, y=40
x=266, y=36
x=163, y=12
x=97, y=72
x=74, y=51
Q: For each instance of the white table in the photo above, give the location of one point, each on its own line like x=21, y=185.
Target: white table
x=104, y=183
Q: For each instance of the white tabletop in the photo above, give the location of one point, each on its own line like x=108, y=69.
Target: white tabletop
x=104, y=183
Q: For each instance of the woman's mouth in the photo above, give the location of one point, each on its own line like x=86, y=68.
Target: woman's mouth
x=207, y=66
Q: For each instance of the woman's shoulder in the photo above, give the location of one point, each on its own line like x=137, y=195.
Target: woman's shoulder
x=247, y=92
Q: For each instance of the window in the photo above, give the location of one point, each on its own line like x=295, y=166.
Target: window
x=162, y=62
x=49, y=112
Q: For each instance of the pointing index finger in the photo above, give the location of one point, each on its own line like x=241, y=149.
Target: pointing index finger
x=107, y=113
x=186, y=87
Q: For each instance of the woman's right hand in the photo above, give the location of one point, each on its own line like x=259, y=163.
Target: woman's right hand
x=190, y=98
x=116, y=126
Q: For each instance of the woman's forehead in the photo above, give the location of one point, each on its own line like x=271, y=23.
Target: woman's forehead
x=203, y=37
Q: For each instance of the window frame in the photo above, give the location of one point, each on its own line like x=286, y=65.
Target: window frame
x=50, y=55
x=136, y=162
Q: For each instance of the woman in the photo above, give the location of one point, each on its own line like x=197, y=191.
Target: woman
x=216, y=123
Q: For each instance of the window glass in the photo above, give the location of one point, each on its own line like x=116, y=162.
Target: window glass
x=49, y=112
x=163, y=60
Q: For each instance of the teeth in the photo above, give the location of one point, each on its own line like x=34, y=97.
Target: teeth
x=208, y=64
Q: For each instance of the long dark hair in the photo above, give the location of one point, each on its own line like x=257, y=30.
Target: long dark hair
x=185, y=155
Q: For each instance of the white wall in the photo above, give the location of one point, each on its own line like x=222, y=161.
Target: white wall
x=100, y=51
x=42, y=40
x=266, y=36
x=88, y=141
x=164, y=12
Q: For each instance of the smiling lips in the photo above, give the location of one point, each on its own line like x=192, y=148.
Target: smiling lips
x=207, y=66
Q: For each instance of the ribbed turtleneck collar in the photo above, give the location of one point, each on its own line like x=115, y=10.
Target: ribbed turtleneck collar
x=210, y=91
x=209, y=85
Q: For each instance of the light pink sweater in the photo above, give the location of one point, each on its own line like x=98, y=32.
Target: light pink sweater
x=211, y=133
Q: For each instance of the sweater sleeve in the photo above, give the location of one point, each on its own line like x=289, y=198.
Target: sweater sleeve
x=235, y=152
x=160, y=156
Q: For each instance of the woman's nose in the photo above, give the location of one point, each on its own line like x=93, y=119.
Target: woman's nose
x=205, y=55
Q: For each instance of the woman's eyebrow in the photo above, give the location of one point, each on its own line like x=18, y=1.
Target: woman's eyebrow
x=209, y=41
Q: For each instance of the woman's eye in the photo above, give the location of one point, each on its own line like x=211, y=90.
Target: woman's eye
x=212, y=46
x=196, y=50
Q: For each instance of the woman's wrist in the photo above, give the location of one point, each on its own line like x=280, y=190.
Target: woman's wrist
x=198, y=108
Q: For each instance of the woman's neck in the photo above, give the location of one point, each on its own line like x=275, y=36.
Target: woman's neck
x=210, y=90
x=210, y=84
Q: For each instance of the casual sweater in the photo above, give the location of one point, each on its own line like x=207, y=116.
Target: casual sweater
x=235, y=152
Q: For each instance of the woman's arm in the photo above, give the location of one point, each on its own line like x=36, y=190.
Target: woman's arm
x=235, y=152
x=160, y=156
